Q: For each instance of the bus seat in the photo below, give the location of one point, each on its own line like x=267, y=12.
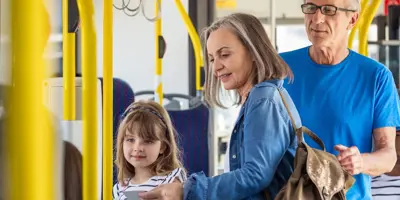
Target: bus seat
x=192, y=126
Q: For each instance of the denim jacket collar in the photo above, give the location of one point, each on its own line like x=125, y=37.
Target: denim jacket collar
x=276, y=82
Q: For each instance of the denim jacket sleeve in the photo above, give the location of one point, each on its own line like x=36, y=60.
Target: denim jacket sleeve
x=266, y=138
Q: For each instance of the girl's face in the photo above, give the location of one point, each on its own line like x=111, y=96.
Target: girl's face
x=139, y=152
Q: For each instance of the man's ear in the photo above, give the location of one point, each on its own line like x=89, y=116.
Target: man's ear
x=353, y=20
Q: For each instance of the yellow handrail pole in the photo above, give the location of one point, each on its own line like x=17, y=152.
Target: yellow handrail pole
x=68, y=66
x=89, y=107
x=108, y=99
x=194, y=36
x=370, y=14
x=364, y=4
x=159, y=94
x=32, y=169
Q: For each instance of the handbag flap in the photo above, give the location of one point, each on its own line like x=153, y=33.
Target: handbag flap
x=326, y=173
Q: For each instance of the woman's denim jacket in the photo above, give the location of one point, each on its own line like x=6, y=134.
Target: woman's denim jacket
x=261, y=153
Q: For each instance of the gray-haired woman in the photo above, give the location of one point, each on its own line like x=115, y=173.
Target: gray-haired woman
x=240, y=57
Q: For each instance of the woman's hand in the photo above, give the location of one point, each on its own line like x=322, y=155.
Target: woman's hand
x=170, y=191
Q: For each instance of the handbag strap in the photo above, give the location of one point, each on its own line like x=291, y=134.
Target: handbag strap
x=299, y=131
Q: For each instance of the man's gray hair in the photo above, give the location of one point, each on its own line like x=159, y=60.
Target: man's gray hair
x=355, y=4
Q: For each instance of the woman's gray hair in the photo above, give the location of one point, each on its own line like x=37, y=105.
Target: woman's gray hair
x=268, y=64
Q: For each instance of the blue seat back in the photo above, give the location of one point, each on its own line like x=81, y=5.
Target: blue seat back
x=123, y=97
x=192, y=126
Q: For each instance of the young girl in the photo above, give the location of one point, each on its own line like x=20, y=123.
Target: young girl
x=147, y=153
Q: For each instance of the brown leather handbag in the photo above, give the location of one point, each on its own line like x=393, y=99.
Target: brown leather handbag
x=317, y=174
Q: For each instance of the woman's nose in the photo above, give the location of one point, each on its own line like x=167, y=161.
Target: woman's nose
x=217, y=65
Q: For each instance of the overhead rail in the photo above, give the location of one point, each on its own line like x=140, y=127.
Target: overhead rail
x=132, y=11
x=385, y=42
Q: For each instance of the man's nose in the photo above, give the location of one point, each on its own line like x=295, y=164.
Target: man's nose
x=318, y=17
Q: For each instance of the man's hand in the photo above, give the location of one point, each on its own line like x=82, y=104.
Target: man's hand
x=350, y=159
x=171, y=191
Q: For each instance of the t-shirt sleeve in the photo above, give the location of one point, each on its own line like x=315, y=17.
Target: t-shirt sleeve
x=178, y=174
x=386, y=105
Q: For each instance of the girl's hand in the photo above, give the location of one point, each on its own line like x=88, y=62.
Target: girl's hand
x=171, y=191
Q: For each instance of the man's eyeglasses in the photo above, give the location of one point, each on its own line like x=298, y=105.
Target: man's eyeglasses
x=329, y=10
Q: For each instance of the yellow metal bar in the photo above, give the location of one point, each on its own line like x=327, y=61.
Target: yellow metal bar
x=108, y=99
x=89, y=114
x=68, y=66
x=159, y=94
x=30, y=140
x=370, y=14
x=352, y=35
x=194, y=36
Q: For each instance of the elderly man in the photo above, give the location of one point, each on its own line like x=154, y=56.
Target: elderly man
x=348, y=100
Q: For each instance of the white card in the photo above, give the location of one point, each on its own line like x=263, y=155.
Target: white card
x=132, y=195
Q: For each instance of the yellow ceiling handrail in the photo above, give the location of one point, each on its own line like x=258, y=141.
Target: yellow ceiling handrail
x=352, y=35
x=364, y=27
x=194, y=36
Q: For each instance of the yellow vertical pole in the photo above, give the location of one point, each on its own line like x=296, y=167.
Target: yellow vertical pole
x=159, y=95
x=68, y=66
x=367, y=20
x=108, y=99
x=353, y=31
x=89, y=112
x=30, y=140
x=194, y=36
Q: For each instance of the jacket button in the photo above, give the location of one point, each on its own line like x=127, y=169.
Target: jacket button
x=234, y=156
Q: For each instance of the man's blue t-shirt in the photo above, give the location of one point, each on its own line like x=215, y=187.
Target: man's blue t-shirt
x=344, y=103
